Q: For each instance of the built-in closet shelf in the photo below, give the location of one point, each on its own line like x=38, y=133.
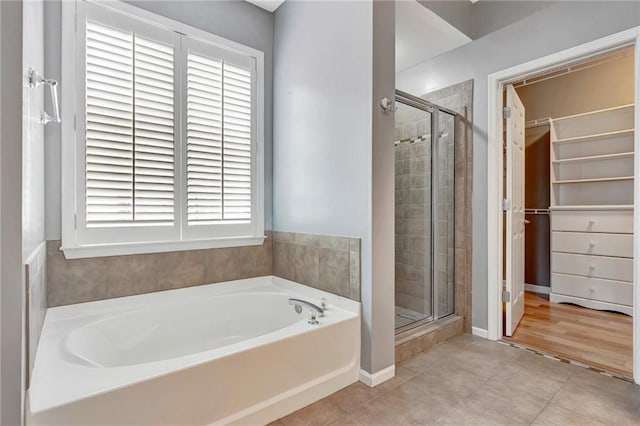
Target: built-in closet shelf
x=595, y=158
x=594, y=124
x=609, y=179
x=596, y=137
x=593, y=207
x=591, y=211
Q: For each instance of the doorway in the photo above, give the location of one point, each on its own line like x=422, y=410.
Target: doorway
x=584, y=231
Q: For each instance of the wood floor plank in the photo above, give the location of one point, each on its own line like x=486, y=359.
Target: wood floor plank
x=599, y=338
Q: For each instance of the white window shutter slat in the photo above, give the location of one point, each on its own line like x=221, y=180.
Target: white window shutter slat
x=109, y=125
x=129, y=129
x=219, y=137
x=237, y=143
x=204, y=140
x=154, y=131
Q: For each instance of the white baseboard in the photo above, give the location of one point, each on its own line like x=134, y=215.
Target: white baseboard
x=542, y=289
x=480, y=332
x=381, y=376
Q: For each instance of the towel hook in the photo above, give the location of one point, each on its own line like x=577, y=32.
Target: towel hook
x=36, y=80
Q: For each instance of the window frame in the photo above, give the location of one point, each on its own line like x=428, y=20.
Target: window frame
x=78, y=240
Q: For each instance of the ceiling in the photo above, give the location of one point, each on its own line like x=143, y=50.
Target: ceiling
x=422, y=35
x=270, y=5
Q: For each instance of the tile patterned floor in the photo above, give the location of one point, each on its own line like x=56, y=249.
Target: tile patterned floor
x=472, y=381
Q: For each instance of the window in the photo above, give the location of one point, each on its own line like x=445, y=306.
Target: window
x=164, y=145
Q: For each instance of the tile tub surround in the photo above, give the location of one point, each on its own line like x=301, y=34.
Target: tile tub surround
x=36, y=304
x=72, y=281
x=328, y=263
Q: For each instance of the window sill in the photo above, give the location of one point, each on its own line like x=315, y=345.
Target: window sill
x=103, y=250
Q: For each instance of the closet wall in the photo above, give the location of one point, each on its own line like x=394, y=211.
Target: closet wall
x=605, y=83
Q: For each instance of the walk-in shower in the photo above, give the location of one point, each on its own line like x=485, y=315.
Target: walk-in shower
x=424, y=211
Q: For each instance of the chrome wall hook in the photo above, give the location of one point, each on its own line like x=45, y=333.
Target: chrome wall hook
x=387, y=105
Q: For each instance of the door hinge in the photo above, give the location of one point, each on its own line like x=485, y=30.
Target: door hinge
x=506, y=205
x=75, y=221
x=506, y=296
x=75, y=123
x=506, y=112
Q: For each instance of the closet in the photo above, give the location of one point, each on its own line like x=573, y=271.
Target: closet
x=578, y=213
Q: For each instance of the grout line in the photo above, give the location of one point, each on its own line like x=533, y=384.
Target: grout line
x=549, y=401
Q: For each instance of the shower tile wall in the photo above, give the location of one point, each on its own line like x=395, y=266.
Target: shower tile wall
x=413, y=212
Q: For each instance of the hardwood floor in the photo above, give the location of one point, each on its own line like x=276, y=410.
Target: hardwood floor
x=598, y=338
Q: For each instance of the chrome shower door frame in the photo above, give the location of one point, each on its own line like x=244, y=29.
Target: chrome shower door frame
x=435, y=111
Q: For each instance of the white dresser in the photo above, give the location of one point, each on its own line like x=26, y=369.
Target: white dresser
x=592, y=209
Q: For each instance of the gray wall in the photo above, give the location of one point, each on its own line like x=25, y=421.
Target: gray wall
x=551, y=29
x=382, y=310
x=239, y=21
x=11, y=288
x=322, y=182
x=33, y=132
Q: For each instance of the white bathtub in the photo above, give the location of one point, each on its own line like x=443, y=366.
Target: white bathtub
x=232, y=352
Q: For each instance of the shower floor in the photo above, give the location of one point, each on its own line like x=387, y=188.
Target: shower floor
x=406, y=316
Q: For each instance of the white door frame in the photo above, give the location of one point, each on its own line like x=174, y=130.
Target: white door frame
x=495, y=86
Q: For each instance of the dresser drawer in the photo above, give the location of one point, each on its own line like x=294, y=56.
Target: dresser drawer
x=612, y=221
x=618, y=245
x=618, y=292
x=612, y=268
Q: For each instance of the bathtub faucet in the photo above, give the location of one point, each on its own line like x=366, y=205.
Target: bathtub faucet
x=314, y=310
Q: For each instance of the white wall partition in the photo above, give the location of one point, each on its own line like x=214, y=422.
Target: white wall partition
x=325, y=152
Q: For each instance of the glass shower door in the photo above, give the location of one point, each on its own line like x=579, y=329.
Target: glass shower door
x=413, y=287
x=444, y=215
x=424, y=212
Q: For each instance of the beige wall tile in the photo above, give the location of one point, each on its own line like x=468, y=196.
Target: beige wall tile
x=179, y=269
x=329, y=263
x=311, y=240
x=284, y=260
x=129, y=275
x=334, y=271
x=354, y=274
x=82, y=280
x=334, y=243
x=307, y=264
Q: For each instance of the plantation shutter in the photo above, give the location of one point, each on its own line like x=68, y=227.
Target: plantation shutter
x=219, y=140
x=129, y=129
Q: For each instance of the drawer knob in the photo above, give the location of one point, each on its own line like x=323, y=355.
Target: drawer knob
x=592, y=266
x=592, y=244
x=591, y=221
x=592, y=289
